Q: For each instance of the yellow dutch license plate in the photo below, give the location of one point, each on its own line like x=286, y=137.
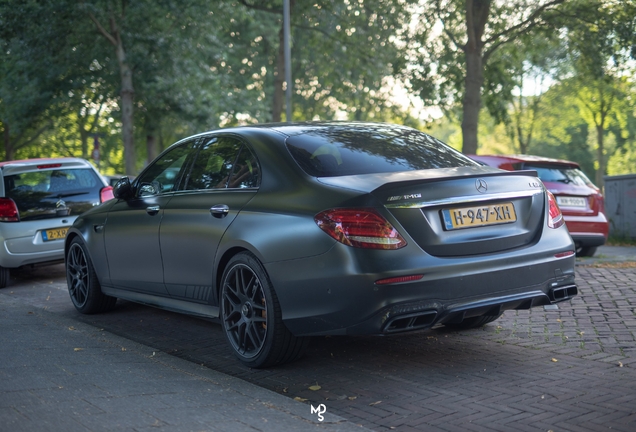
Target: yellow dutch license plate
x=54, y=234
x=469, y=217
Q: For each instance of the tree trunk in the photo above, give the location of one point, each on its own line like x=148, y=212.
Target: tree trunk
x=126, y=93
x=472, y=99
x=83, y=136
x=126, y=105
x=151, y=147
x=279, y=79
x=600, y=132
x=477, y=12
x=8, y=147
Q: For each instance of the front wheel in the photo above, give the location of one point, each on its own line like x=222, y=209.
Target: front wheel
x=251, y=316
x=83, y=285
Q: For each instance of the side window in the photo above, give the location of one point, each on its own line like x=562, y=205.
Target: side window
x=163, y=176
x=213, y=164
x=246, y=172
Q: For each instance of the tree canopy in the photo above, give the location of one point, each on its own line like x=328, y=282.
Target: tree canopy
x=129, y=78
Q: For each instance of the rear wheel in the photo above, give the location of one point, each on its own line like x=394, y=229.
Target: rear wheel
x=4, y=277
x=83, y=285
x=251, y=316
x=473, y=322
x=585, y=251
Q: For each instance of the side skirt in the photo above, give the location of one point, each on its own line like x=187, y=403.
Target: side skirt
x=196, y=309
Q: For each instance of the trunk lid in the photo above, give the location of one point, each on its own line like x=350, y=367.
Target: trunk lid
x=461, y=211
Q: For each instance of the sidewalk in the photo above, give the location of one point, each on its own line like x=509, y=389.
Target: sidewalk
x=610, y=254
x=57, y=374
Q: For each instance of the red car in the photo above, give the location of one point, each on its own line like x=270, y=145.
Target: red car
x=580, y=200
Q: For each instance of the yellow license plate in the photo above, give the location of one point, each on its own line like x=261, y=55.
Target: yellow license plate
x=469, y=217
x=54, y=234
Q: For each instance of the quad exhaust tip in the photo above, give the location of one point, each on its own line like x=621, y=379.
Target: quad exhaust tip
x=563, y=293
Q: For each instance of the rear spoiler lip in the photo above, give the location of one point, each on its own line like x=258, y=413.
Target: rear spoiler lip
x=381, y=182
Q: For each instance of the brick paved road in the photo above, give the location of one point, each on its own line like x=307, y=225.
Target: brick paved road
x=571, y=369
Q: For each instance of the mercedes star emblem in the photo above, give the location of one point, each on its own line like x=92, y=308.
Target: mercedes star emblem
x=481, y=185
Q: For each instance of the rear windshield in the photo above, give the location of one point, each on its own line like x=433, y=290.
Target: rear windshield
x=53, y=193
x=339, y=151
x=563, y=174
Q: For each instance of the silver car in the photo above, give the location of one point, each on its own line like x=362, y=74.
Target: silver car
x=39, y=201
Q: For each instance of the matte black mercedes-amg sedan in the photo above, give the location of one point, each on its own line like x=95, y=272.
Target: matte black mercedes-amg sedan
x=284, y=231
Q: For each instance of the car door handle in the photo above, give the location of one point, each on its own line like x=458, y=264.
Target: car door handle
x=152, y=210
x=219, y=210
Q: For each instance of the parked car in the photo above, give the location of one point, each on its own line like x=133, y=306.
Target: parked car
x=39, y=201
x=286, y=231
x=580, y=200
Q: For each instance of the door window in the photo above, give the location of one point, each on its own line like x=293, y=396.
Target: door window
x=164, y=175
x=214, y=162
x=245, y=173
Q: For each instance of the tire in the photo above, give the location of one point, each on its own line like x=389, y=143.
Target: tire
x=251, y=316
x=474, y=322
x=585, y=251
x=4, y=277
x=83, y=285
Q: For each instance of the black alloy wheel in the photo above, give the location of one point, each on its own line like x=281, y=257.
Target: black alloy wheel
x=83, y=285
x=251, y=316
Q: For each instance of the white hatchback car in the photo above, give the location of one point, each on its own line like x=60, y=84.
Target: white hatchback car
x=39, y=201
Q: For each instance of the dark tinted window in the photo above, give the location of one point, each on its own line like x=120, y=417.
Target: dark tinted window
x=246, y=172
x=556, y=174
x=164, y=174
x=213, y=164
x=53, y=193
x=340, y=150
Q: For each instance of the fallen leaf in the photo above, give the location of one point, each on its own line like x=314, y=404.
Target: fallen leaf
x=558, y=320
x=352, y=397
x=71, y=328
x=123, y=349
x=375, y=403
x=78, y=349
x=285, y=390
x=620, y=364
x=554, y=360
x=315, y=387
x=299, y=399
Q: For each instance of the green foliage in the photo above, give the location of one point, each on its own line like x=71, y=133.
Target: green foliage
x=198, y=65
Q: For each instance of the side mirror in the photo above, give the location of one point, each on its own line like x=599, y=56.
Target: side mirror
x=123, y=189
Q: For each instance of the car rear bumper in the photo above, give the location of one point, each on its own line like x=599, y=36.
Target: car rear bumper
x=22, y=243
x=587, y=226
x=588, y=240
x=336, y=293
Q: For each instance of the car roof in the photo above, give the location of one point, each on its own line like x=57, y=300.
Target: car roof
x=25, y=165
x=296, y=128
x=39, y=161
x=515, y=158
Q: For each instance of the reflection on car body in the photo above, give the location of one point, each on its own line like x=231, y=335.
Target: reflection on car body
x=285, y=231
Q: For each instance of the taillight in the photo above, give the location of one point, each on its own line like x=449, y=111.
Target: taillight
x=8, y=210
x=106, y=193
x=363, y=228
x=597, y=203
x=555, y=217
